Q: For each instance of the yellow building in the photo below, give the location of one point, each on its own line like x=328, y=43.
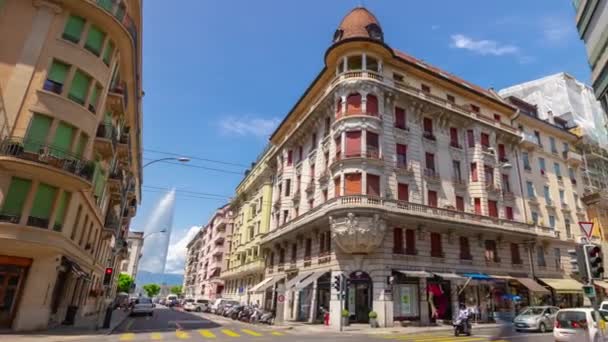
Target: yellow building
x=251, y=208
x=70, y=155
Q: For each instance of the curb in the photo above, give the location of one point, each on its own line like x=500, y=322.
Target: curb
x=111, y=330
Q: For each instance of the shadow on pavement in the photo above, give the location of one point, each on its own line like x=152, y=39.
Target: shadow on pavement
x=165, y=320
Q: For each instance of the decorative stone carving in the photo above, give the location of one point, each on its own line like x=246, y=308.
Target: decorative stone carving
x=357, y=235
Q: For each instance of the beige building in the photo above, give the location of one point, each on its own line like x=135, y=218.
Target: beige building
x=205, y=257
x=414, y=185
x=70, y=155
x=135, y=243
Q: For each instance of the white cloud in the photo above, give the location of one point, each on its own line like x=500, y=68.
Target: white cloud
x=246, y=125
x=176, y=256
x=556, y=30
x=483, y=47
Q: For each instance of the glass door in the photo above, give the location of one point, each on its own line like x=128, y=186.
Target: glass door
x=11, y=278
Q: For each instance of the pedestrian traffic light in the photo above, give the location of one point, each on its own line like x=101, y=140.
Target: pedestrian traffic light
x=107, y=276
x=595, y=265
x=577, y=262
x=337, y=283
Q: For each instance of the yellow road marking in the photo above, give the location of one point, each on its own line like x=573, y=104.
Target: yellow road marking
x=452, y=338
x=156, y=336
x=251, y=332
x=127, y=337
x=182, y=335
x=276, y=333
x=206, y=333
x=230, y=333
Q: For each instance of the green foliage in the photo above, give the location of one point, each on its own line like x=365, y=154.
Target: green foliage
x=373, y=315
x=176, y=290
x=125, y=282
x=345, y=313
x=151, y=289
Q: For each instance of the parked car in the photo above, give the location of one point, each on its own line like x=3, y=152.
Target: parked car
x=219, y=304
x=604, y=305
x=536, y=318
x=579, y=324
x=143, y=305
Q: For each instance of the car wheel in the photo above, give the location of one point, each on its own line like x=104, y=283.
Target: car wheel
x=542, y=328
x=198, y=310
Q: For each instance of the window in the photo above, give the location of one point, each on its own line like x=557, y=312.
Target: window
x=289, y=157
x=403, y=193
x=535, y=217
x=15, y=199
x=73, y=29
x=552, y=145
x=489, y=175
x=313, y=141
x=428, y=128
x=338, y=143
x=451, y=98
x=353, y=144
x=456, y=170
x=300, y=153
x=285, y=216
x=354, y=62
x=459, y=203
x=95, y=40
x=552, y=221
x=547, y=195
x=352, y=184
x=353, y=104
x=337, y=187
x=530, y=188
x=485, y=140
x=502, y=154
x=506, y=185
x=324, y=195
x=410, y=242
x=509, y=213
x=497, y=118
x=538, y=140
x=42, y=206
x=108, y=52
x=400, y=118
x=572, y=175
x=558, y=171
x=327, y=129
x=373, y=149
x=64, y=135
x=56, y=77
x=37, y=132
x=474, y=177
x=465, y=248
x=515, y=257
x=558, y=258
x=373, y=185
x=94, y=98
x=567, y=224
x=294, y=253
x=425, y=88
x=430, y=162
x=308, y=248
x=562, y=196
x=401, y=156
x=475, y=109
x=470, y=138
x=397, y=240
x=477, y=203
x=454, y=137
x=526, y=160
x=491, y=252
x=576, y=201
x=492, y=208
x=398, y=77
x=287, y=187
x=80, y=87
x=371, y=105
x=372, y=64
x=432, y=198
x=540, y=256
x=436, y=248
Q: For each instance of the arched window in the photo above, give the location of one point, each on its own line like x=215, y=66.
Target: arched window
x=353, y=104
x=372, y=64
x=372, y=104
x=354, y=62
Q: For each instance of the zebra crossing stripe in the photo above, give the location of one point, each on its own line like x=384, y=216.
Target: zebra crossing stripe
x=230, y=333
x=127, y=337
x=182, y=335
x=156, y=336
x=206, y=333
x=276, y=333
x=251, y=332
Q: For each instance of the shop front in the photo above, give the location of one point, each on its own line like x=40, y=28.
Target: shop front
x=359, y=297
x=13, y=271
x=406, y=295
x=566, y=292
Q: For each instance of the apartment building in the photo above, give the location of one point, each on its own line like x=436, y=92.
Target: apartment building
x=412, y=184
x=251, y=208
x=70, y=155
x=205, y=257
x=135, y=244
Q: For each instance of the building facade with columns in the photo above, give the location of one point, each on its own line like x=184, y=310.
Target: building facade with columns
x=135, y=243
x=70, y=156
x=410, y=183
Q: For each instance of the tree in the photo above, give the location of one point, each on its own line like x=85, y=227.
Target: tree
x=125, y=282
x=151, y=289
x=176, y=290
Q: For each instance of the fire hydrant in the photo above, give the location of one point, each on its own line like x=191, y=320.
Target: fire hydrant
x=326, y=318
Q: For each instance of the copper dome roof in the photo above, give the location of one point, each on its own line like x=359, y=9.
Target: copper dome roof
x=359, y=23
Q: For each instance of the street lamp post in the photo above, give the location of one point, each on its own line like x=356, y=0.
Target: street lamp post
x=123, y=206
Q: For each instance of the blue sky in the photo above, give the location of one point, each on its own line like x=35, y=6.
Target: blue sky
x=219, y=75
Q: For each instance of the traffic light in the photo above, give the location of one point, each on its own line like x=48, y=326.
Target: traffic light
x=337, y=283
x=107, y=276
x=577, y=261
x=595, y=265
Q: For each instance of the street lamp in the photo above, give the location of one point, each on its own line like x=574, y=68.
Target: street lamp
x=152, y=233
x=179, y=159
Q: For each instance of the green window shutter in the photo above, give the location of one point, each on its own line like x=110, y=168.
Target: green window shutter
x=73, y=28
x=100, y=182
x=63, y=140
x=43, y=202
x=94, y=40
x=107, y=118
x=37, y=132
x=120, y=12
x=80, y=87
x=105, y=4
x=107, y=53
x=94, y=98
x=64, y=200
x=15, y=198
x=82, y=143
x=58, y=72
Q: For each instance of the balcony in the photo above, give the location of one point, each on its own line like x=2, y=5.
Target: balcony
x=372, y=155
x=459, y=183
x=492, y=188
x=116, y=101
x=572, y=158
x=106, y=140
x=432, y=176
x=508, y=195
x=310, y=188
x=254, y=266
x=31, y=157
x=456, y=145
x=123, y=145
x=429, y=136
x=324, y=176
x=119, y=12
x=565, y=207
x=115, y=181
x=529, y=141
x=404, y=168
x=111, y=224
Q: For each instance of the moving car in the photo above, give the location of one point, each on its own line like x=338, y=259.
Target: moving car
x=578, y=324
x=144, y=306
x=200, y=305
x=536, y=318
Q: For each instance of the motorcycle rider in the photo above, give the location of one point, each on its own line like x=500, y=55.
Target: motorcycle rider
x=463, y=318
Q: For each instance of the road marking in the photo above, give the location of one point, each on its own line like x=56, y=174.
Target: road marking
x=206, y=333
x=251, y=332
x=127, y=337
x=156, y=336
x=182, y=335
x=276, y=333
x=230, y=333
x=454, y=338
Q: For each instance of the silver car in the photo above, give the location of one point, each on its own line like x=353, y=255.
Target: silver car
x=536, y=318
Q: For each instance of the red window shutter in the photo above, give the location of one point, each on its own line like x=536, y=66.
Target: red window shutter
x=428, y=125
x=509, y=213
x=453, y=135
x=471, y=138
x=497, y=117
x=432, y=198
x=459, y=203
x=501, y=152
x=353, y=104
x=401, y=155
x=492, y=208
x=403, y=193
x=353, y=184
x=477, y=206
x=399, y=117
x=353, y=144
x=289, y=157
x=337, y=187
x=373, y=185
x=397, y=240
x=372, y=104
x=474, y=108
x=430, y=161
x=474, y=172
x=485, y=140
x=465, y=250
x=410, y=241
x=436, y=245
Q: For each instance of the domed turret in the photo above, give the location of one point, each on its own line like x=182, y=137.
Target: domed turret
x=359, y=23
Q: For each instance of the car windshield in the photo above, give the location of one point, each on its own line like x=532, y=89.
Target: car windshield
x=202, y=301
x=571, y=320
x=532, y=311
x=604, y=307
x=143, y=301
x=189, y=300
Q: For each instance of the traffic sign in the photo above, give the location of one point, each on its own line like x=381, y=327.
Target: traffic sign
x=586, y=227
x=281, y=298
x=589, y=291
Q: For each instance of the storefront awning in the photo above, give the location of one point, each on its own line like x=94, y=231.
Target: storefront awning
x=601, y=283
x=477, y=276
x=75, y=268
x=501, y=277
x=451, y=276
x=261, y=284
x=295, y=280
x=309, y=280
x=564, y=285
x=532, y=285
x=416, y=274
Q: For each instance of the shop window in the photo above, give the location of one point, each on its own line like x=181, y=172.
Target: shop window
x=95, y=40
x=15, y=199
x=465, y=248
x=80, y=87
x=73, y=29
x=56, y=77
x=398, y=240
x=410, y=242
x=436, y=247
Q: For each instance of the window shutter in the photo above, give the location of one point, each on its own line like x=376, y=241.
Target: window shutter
x=82, y=143
x=337, y=190
x=372, y=104
x=485, y=139
x=474, y=172
x=94, y=98
x=465, y=252
x=107, y=53
x=373, y=185
x=471, y=138
x=353, y=104
x=37, y=132
x=410, y=241
x=459, y=203
x=432, y=198
x=94, y=40
x=397, y=240
x=43, y=201
x=436, y=245
x=353, y=143
x=58, y=72
x=80, y=87
x=64, y=199
x=501, y=151
x=399, y=117
x=73, y=28
x=353, y=184
x=477, y=206
x=105, y=4
x=63, y=140
x=15, y=198
x=403, y=192
x=453, y=135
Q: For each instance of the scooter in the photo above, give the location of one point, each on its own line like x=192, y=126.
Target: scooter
x=267, y=317
x=462, y=326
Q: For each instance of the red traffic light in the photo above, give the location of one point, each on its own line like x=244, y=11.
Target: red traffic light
x=593, y=252
x=109, y=270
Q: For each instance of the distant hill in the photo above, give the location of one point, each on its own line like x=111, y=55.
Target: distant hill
x=145, y=277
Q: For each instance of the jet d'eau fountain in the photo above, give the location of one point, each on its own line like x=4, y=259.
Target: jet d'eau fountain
x=158, y=233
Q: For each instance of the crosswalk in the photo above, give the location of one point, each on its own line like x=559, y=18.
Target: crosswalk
x=436, y=337
x=198, y=334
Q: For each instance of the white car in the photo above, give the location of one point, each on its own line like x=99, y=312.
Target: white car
x=143, y=306
x=578, y=324
x=200, y=305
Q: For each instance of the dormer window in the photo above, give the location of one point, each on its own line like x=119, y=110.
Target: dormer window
x=338, y=35
x=374, y=31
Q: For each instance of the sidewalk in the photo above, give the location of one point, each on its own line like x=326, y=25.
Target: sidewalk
x=366, y=329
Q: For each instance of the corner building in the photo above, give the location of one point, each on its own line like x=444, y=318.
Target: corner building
x=408, y=181
x=70, y=156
